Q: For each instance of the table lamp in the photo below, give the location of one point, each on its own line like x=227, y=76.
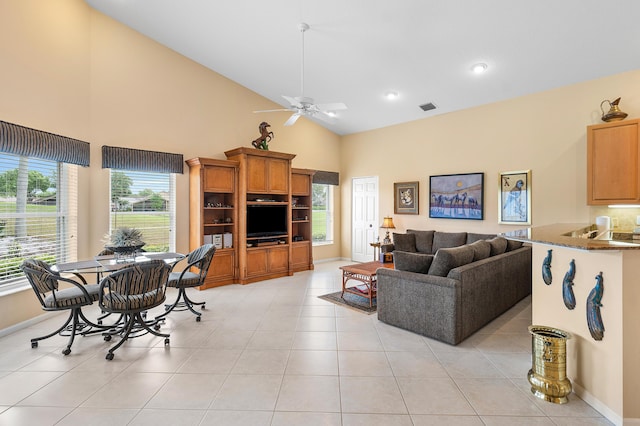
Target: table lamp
x=387, y=224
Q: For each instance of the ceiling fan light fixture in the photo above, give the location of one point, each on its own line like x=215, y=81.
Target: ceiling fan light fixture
x=391, y=95
x=479, y=68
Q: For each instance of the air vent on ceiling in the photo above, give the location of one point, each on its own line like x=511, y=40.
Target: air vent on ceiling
x=428, y=107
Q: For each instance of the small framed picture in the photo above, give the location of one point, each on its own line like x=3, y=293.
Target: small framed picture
x=405, y=198
x=514, y=198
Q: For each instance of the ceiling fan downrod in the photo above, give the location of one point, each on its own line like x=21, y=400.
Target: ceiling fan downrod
x=303, y=27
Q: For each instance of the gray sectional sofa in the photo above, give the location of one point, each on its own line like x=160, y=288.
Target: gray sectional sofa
x=448, y=285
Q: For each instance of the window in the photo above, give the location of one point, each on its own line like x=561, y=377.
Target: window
x=322, y=215
x=145, y=201
x=38, y=213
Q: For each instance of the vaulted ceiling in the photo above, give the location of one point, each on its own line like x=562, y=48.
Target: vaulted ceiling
x=356, y=51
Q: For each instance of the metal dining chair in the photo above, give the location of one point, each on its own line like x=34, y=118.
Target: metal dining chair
x=199, y=258
x=46, y=285
x=131, y=291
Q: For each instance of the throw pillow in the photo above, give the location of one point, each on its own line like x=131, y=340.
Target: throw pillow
x=424, y=240
x=412, y=262
x=448, y=239
x=404, y=242
x=448, y=258
x=481, y=249
x=498, y=245
x=513, y=245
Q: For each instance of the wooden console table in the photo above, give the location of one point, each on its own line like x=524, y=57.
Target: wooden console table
x=364, y=273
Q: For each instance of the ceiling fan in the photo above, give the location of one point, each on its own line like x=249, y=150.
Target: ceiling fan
x=302, y=105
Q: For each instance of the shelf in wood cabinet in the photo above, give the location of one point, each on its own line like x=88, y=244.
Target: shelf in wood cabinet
x=218, y=208
x=219, y=224
x=267, y=203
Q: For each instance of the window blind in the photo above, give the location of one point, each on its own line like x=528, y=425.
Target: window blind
x=145, y=201
x=38, y=213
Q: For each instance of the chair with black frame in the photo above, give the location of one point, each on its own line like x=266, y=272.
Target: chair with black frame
x=131, y=291
x=46, y=284
x=199, y=258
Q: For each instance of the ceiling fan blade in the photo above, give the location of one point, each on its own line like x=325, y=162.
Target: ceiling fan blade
x=292, y=119
x=335, y=106
x=293, y=101
x=273, y=110
x=320, y=115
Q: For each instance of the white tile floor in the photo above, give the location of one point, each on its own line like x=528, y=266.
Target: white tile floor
x=272, y=353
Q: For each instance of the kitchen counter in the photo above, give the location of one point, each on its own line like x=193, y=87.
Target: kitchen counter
x=568, y=235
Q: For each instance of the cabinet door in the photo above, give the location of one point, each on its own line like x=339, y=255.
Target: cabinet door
x=222, y=266
x=300, y=184
x=218, y=179
x=300, y=253
x=257, y=262
x=256, y=174
x=613, y=164
x=278, y=176
x=278, y=259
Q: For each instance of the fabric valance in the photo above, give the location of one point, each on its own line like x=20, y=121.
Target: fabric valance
x=142, y=161
x=20, y=140
x=326, y=178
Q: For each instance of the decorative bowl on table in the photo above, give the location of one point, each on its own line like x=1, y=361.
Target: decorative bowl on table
x=124, y=253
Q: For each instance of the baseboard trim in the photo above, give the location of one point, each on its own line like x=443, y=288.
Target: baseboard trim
x=24, y=324
x=599, y=406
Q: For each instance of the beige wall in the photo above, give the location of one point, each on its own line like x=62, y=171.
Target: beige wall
x=70, y=70
x=544, y=132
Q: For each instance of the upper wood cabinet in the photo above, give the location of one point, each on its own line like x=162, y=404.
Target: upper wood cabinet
x=613, y=174
x=267, y=175
x=219, y=179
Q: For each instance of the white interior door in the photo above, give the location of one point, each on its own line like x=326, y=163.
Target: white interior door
x=364, y=223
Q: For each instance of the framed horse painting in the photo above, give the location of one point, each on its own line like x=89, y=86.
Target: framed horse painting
x=458, y=196
x=405, y=198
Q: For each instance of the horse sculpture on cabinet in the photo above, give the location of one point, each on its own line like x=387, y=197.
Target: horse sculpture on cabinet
x=265, y=137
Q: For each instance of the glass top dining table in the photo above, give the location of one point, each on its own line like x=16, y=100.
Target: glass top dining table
x=109, y=263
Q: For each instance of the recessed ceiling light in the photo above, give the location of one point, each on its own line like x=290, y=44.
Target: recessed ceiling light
x=479, y=68
x=391, y=95
x=331, y=113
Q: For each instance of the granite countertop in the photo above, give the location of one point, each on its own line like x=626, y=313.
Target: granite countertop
x=567, y=235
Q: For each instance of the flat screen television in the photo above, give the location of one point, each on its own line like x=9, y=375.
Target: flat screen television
x=266, y=221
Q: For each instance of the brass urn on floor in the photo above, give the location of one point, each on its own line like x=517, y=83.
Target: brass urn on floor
x=548, y=375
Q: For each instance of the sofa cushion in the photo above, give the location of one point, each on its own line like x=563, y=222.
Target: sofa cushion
x=424, y=240
x=472, y=238
x=448, y=239
x=448, y=258
x=481, y=249
x=513, y=245
x=412, y=262
x=404, y=242
x=498, y=245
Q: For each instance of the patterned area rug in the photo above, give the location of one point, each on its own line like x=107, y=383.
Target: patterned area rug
x=358, y=303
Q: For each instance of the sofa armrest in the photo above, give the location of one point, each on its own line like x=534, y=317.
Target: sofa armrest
x=425, y=304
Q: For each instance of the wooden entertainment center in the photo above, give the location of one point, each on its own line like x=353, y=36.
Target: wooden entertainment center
x=252, y=190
